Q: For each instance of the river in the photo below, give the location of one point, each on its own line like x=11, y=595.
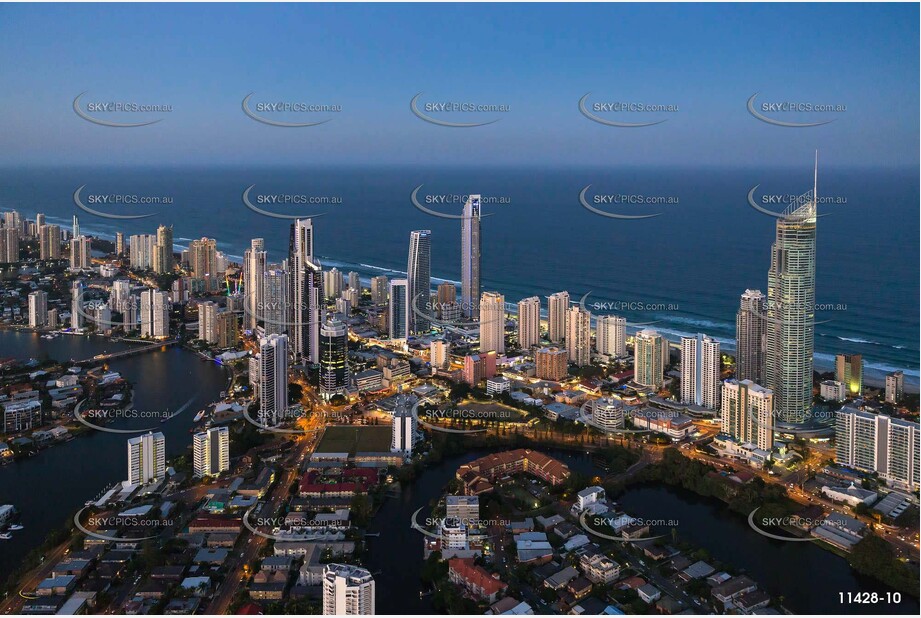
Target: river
x=50, y=487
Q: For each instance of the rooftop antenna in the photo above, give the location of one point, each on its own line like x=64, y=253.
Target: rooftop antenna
x=815, y=180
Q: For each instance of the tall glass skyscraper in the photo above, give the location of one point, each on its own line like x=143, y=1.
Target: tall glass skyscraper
x=470, y=258
x=254, y=262
x=307, y=293
x=791, y=310
x=419, y=279
x=750, y=328
x=398, y=315
x=334, y=367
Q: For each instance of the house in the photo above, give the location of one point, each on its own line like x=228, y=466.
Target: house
x=732, y=588
x=580, y=540
x=600, y=569
x=748, y=602
x=579, y=587
x=200, y=586
x=649, y=593
x=589, y=495
x=61, y=585
x=698, y=570
x=211, y=556
x=559, y=579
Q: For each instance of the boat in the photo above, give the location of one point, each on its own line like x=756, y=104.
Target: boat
x=16, y=527
x=199, y=416
x=6, y=536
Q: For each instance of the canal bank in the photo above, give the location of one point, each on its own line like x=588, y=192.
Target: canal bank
x=48, y=488
x=806, y=577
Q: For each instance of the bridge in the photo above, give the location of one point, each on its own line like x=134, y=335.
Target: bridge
x=153, y=347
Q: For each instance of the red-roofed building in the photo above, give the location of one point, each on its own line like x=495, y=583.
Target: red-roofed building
x=215, y=524
x=350, y=482
x=475, y=580
x=250, y=609
x=496, y=465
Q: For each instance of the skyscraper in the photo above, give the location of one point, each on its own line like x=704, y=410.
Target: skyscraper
x=38, y=309
x=849, y=371
x=439, y=353
x=274, y=309
x=552, y=363
x=791, y=310
x=403, y=427
x=611, y=336
x=207, y=321
x=146, y=458
x=307, y=293
x=579, y=335
x=747, y=413
x=334, y=366
x=380, y=287
x=419, y=279
x=140, y=251
x=647, y=359
x=492, y=323
x=895, y=386
x=203, y=259
x=750, y=337
x=49, y=242
x=878, y=443
x=254, y=262
x=119, y=243
x=163, y=250
x=80, y=253
x=470, y=257
x=399, y=309
x=155, y=307
x=557, y=312
x=700, y=371
x=9, y=245
x=333, y=284
x=76, y=304
x=347, y=591
x=528, y=322
x=211, y=452
x=273, y=379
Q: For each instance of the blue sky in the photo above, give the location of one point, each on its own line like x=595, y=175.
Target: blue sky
x=537, y=59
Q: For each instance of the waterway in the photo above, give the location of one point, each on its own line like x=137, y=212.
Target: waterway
x=808, y=577
x=51, y=486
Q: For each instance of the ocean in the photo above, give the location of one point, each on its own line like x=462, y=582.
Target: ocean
x=682, y=270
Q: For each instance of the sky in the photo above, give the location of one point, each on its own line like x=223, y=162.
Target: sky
x=538, y=60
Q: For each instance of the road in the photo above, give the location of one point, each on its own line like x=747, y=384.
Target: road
x=252, y=544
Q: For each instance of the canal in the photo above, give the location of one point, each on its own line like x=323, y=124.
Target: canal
x=808, y=577
x=51, y=486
